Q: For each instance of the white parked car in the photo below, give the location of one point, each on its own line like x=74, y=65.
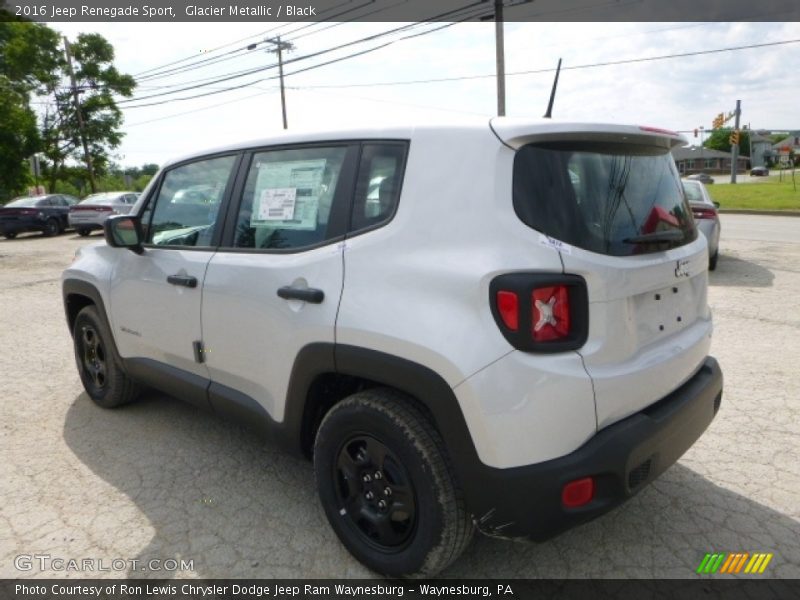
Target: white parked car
x=512, y=337
x=706, y=217
x=90, y=213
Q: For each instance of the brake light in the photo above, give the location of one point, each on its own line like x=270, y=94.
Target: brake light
x=658, y=130
x=578, y=493
x=541, y=312
x=508, y=306
x=550, y=313
x=704, y=213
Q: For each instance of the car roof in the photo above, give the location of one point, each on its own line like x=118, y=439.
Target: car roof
x=508, y=130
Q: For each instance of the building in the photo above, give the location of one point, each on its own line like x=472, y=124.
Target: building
x=761, y=151
x=695, y=159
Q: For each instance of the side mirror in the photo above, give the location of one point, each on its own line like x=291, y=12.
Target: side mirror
x=716, y=204
x=124, y=231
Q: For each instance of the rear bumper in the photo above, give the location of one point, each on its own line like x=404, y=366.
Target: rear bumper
x=86, y=224
x=622, y=459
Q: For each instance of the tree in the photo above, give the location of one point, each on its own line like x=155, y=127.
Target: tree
x=96, y=81
x=29, y=61
x=720, y=140
x=19, y=139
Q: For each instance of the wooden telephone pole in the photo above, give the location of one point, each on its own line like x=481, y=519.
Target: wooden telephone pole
x=81, y=126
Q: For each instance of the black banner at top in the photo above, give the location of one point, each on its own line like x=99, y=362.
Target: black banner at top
x=195, y=11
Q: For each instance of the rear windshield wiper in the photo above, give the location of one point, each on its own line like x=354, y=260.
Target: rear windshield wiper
x=671, y=235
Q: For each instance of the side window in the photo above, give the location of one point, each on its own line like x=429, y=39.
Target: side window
x=287, y=198
x=380, y=176
x=184, y=212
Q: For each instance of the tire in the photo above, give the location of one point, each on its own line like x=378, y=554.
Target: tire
x=712, y=262
x=374, y=441
x=102, y=378
x=83, y=232
x=10, y=235
x=51, y=228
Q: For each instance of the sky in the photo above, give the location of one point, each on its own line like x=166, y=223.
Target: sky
x=682, y=93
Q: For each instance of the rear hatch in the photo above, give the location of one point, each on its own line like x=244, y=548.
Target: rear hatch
x=612, y=198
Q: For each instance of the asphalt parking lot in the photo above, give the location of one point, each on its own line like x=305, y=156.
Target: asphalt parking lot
x=161, y=480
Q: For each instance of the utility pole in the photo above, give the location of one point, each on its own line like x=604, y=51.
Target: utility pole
x=79, y=114
x=501, y=60
x=279, y=48
x=735, y=147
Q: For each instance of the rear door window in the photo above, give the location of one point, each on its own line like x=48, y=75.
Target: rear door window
x=380, y=177
x=614, y=199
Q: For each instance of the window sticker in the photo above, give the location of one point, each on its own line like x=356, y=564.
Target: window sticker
x=277, y=204
x=287, y=194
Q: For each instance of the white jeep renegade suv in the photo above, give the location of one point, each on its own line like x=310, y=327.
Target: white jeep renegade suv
x=500, y=325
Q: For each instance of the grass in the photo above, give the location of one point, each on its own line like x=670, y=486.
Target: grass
x=769, y=195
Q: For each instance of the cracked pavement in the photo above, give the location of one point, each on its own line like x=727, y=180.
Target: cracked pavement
x=159, y=479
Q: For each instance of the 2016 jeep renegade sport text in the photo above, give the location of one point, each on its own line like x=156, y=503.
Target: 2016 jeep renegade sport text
x=499, y=325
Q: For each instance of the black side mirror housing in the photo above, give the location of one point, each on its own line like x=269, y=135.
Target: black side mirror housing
x=716, y=204
x=124, y=231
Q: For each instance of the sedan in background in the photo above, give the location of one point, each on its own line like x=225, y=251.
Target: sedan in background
x=759, y=171
x=705, y=215
x=702, y=177
x=94, y=209
x=47, y=214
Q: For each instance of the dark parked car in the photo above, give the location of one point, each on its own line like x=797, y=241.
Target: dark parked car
x=47, y=214
x=702, y=178
x=705, y=215
x=759, y=171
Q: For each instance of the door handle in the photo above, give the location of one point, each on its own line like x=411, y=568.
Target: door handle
x=184, y=280
x=312, y=295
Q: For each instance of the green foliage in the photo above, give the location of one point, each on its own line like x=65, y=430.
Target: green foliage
x=32, y=63
x=19, y=138
x=719, y=140
x=97, y=80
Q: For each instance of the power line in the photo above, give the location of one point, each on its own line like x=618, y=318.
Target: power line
x=249, y=37
x=210, y=106
x=249, y=83
x=551, y=70
x=474, y=11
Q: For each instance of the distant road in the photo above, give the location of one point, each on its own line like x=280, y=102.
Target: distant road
x=761, y=228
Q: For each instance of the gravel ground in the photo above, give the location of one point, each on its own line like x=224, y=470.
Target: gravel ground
x=161, y=480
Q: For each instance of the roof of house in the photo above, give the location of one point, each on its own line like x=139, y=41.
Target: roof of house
x=694, y=152
x=788, y=141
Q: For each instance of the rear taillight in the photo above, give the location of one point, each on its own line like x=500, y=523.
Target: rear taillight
x=704, y=213
x=550, y=313
x=508, y=307
x=541, y=312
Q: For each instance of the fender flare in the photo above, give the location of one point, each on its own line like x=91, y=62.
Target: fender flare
x=422, y=383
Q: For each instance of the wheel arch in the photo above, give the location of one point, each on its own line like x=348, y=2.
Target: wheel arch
x=324, y=374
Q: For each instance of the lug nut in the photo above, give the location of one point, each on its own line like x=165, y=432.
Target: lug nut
x=366, y=478
x=387, y=491
x=378, y=475
x=369, y=495
x=382, y=504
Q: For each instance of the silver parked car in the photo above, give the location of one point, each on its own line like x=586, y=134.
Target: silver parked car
x=705, y=215
x=90, y=213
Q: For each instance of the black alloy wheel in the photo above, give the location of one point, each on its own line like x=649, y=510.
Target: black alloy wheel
x=376, y=492
x=386, y=485
x=93, y=355
x=98, y=365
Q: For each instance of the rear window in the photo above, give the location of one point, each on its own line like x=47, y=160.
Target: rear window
x=615, y=199
x=694, y=192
